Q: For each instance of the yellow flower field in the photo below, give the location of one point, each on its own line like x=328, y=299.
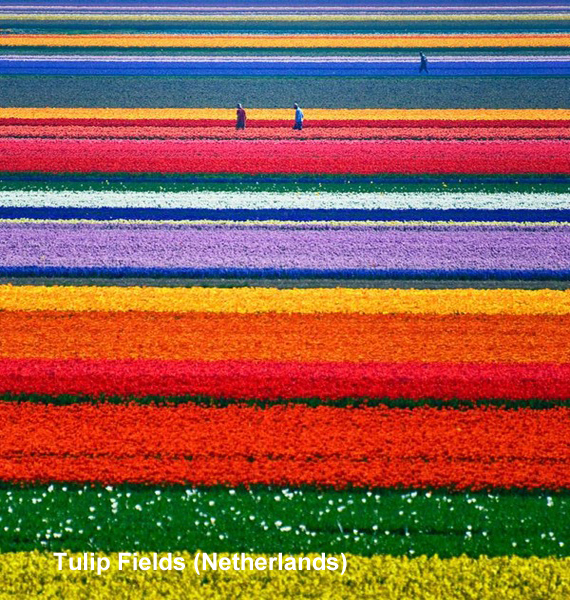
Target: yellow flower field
x=35, y=574
x=303, y=301
x=316, y=114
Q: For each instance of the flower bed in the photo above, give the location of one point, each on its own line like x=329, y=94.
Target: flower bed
x=286, y=445
x=268, y=156
x=347, y=339
x=71, y=380
x=282, y=132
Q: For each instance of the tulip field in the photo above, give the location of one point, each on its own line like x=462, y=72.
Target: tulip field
x=350, y=339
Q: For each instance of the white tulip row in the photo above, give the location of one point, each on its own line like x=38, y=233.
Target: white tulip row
x=291, y=200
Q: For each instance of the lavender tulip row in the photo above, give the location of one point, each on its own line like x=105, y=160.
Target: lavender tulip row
x=272, y=248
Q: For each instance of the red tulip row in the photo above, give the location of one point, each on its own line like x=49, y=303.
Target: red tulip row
x=363, y=157
x=273, y=133
x=267, y=380
x=286, y=124
x=286, y=445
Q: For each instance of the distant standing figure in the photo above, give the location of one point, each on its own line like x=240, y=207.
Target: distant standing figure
x=299, y=116
x=241, y=117
x=423, y=63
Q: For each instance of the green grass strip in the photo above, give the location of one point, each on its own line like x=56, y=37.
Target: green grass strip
x=323, y=26
x=458, y=403
x=266, y=519
x=149, y=91
x=283, y=184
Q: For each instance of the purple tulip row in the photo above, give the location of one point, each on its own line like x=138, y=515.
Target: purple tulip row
x=164, y=246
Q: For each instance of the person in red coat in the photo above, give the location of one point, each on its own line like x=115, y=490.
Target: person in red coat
x=241, y=117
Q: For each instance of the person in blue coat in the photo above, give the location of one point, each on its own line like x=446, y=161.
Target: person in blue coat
x=241, y=117
x=299, y=116
x=423, y=63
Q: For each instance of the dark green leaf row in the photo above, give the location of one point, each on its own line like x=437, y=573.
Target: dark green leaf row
x=506, y=403
x=284, y=184
x=324, y=26
x=271, y=519
x=142, y=91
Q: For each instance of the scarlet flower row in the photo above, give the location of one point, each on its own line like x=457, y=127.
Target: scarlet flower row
x=363, y=157
x=272, y=133
x=280, y=123
x=279, y=380
x=286, y=445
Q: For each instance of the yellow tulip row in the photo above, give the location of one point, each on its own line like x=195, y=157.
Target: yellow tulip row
x=247, y=300
x=316, y=114
x=35, y=574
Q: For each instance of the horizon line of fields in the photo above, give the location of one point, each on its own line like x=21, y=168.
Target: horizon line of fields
x=254, y=7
